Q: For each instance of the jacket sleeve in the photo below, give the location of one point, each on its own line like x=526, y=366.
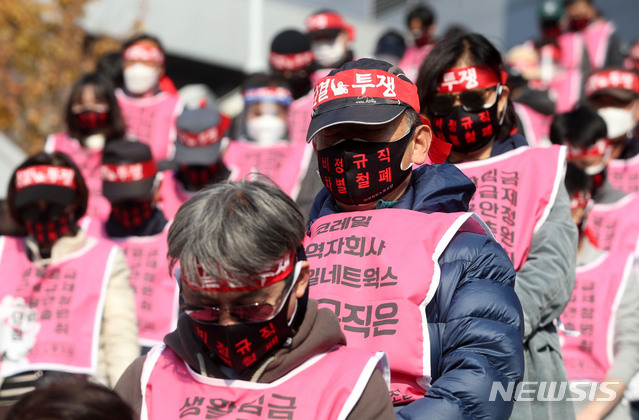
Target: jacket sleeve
x=477, y=334
x=119, y=333
x=128, y=387
x=547, y=278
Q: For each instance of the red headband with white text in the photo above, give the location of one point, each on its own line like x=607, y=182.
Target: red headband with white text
x=143, y=52
x=466, y=78
x=294, y=61
x=128, y=172
x=612, y=79
x=45, y=175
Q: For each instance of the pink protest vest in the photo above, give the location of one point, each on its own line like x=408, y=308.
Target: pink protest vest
x=566, y=86
x=326, y=386
x=623, y=174
x=515, y=192
x=51, y=316
x=298, y=117
x=412, y=60
x=615, y=226
x=152, y=120
x=156, y=292
x=88, y=162
x=285, y=163
x=173, y=195
x=378, y=283
x=596, y=38
x=591, y=312
x=536, y=125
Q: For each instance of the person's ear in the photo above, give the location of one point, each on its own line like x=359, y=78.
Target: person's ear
x=503, y=99
x=421, y=144
x=302, y=281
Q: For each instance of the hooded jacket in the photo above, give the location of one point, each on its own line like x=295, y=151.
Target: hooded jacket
x=475, y=320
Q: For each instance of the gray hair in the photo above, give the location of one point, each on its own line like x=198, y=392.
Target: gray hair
x=234, y=231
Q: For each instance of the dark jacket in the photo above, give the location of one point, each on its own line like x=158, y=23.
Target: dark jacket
x=475, y=319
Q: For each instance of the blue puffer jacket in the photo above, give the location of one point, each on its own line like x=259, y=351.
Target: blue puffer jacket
x=475, y=319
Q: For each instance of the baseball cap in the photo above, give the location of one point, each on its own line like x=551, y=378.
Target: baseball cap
x=128, y=170
x=620, y=83
x=56, y=184
x=199, y=132
x=368, y=92
x=328, y=23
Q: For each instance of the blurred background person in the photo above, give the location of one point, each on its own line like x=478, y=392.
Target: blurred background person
x=93, y=118
x=67, y=307
x=291, y=58
x=421, y=22
x=149, y=110
x=331, y=38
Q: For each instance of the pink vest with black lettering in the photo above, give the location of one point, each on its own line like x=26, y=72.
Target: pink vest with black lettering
x=515, y=192
x=536, y=125
x=88, y=162
x=285, y=163
x=156, y=291
x=152, y=121
x=326, y=386
x=51, y=316
x=378, y=283
x=591, y=312
x=615, y=226
x=623, y=174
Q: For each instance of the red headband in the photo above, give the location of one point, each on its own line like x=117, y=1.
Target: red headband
x=143, y=52
x=295, y=61
x=361, y=85
x=128, y=172
x=597, y=149
x=207, y=137
x=278, y=272
x=321, y=21
x=612, y=79
x=59, y=176
x=473, y=77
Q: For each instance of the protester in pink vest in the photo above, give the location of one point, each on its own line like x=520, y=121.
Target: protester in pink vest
x=421, y=22
x=614, y=93
x=263, y=145
x=600, y=344
x=148, y=110
x=199, y=146
x=462, y=88
x=92, y=118
x=393, y=272
x=130, y=182
x=67, y=308
x=250, y=342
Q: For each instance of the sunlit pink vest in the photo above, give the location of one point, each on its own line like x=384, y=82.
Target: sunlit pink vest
x=156, y=291
x=298, y=115
x=60, y=330
x=623, y=174
x=152, y=120
x=596, y=38
x=285, y=163
x=412, y=60
x=591, y=312
x=615, y=226
x=173, y=195
x=515, y=192
x=378, y=283
x=326, y=386
x=88, y=162
x=535, y=124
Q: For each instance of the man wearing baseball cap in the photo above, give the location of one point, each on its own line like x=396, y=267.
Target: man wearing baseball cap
x=330, y=37
x=419, y=269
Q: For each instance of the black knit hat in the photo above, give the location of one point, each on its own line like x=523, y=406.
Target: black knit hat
x=291, y=50
x=128, y=170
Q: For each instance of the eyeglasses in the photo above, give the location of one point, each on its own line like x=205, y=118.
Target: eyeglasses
x=471, y=100
x=258, y=311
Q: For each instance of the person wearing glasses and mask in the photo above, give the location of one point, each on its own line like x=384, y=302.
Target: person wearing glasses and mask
x=520, y=194
x=250, y=342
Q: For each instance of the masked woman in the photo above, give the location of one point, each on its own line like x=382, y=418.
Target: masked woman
x=520, y=194
x=67, y=307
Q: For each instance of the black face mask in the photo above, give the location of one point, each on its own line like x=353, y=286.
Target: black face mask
x=469, y=131
x=132, y=214
x=90, y=121
x=577, y=25
x=196, y=177
x=361, y=172
x=242, y=345
x=47, y=226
